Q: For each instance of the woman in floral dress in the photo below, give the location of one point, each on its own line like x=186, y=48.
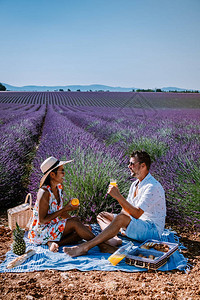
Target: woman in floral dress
x=51, y=223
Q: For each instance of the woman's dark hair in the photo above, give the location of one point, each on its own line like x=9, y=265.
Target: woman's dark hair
x=143, y=157
x=47, y=180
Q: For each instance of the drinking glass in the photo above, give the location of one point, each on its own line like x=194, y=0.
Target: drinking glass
x=113, y=182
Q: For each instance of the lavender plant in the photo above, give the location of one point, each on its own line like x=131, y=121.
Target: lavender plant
x=88, y=179
x=17, y=148
x=187, y=192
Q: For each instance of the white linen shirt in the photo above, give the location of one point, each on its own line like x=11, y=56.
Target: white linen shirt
x=151, y=199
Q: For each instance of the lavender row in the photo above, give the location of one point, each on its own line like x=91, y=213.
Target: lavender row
x=18, y=141
x=165, y=129
x=9, y=112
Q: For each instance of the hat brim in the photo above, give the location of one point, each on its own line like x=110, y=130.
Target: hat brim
x=61, y=163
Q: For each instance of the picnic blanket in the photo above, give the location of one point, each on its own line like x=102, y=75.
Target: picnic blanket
x=94, y=260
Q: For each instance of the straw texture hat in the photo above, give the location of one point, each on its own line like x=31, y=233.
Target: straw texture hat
x=49, y=165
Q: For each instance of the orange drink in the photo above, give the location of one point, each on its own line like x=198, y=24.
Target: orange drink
x=74, y=201
x=113, y=182
x=120, y=253
x=114, y=259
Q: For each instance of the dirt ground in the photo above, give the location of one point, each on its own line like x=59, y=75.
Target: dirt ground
x=103, y=285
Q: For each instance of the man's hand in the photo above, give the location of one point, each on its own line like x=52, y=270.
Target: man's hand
x=126, y=206
x=113, y=191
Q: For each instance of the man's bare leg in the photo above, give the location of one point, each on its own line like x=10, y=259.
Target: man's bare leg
x=104, y=219
x=121, y=220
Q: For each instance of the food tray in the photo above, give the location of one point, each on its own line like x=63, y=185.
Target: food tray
x=146, y=255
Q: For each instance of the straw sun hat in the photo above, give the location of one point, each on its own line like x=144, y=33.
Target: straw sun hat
x=49, y=165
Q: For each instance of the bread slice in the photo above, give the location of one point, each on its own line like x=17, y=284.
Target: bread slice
x=19, y=260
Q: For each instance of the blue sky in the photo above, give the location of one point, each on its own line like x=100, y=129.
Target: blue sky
x=130, y=43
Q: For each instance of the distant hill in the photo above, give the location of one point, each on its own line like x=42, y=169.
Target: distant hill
x=83, y=88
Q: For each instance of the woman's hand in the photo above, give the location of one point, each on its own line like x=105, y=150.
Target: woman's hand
x=44, y=217
x=70, y=207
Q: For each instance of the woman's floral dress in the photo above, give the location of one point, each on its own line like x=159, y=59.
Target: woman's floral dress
x=51, y=231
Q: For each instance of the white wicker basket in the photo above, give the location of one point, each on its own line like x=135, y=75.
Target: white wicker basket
x=20, y=214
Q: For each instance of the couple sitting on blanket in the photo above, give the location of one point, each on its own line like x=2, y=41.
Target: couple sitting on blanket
x=142, y=216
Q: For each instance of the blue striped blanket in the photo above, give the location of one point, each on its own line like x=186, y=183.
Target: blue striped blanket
x=94, y=260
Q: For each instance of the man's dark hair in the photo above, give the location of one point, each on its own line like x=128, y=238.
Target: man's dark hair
x=143, y=157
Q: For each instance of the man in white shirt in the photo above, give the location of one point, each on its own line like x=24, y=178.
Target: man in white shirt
x=143, y=212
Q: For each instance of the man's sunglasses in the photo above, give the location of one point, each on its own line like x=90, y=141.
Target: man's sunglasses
x=133, y=164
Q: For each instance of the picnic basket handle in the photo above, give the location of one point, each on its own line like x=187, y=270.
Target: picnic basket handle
x=30, y=199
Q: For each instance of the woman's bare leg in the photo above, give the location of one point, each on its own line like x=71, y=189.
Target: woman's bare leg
x=74, y=226
x=71, y=238
x=104, y=219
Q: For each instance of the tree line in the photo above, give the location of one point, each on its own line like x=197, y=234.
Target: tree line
x=160, y=91
x=2, y=87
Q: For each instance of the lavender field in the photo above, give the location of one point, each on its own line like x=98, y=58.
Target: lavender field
x=147, y=100
x=99, y=131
